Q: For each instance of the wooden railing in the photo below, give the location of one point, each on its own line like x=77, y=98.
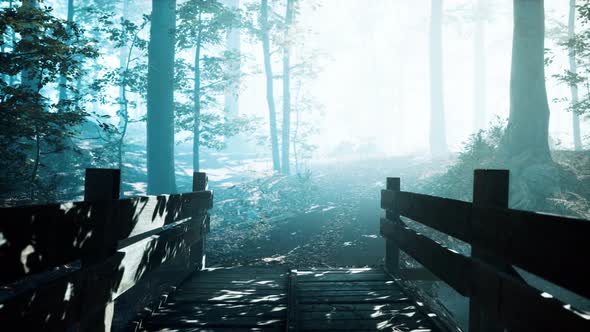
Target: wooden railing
x=69, y=266
x=554, y=248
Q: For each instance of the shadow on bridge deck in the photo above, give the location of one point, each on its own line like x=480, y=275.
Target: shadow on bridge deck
x=276, y=299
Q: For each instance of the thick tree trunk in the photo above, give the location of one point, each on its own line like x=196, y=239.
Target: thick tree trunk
x=527, y=134
x=574, y=70
x=479, y=79
x=160, y=98
x=287, y=90
x=438, y=140
x=269, y=86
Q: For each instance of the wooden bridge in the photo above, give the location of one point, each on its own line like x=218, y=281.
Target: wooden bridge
x=138, y=264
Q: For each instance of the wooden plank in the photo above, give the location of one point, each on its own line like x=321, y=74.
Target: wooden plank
x=302, y=279
x=384, y=293
x=523, y=307
x=331, y=307
x=232, y=322
x=392, y=323
x=552, y=247
x=216, y=284
x=344, y=285
x=417, y=274
x=208, y=309
x=449, y=216
x=228, y=298
x=352, y=299
x=230, y=292
x=56, y=234
x=360, y=312
x=216, y=329
x=451, y=267
x=293, y=304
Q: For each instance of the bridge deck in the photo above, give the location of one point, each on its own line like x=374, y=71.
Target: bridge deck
x=273, y=299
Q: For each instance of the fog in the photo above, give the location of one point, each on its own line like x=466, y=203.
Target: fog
x=374, y=82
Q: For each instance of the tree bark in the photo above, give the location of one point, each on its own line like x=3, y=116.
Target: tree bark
x=438, y=141
x=160, y=98
x=197, y=101
x=269, y=86
x=574, y=70
x=287, y=90
x=479, y=79
x=527, y=134
x=123, y=59
x=63, y=94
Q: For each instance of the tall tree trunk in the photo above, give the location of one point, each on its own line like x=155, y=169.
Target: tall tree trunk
x=479, y=79
x=269, y=86
x=31, y=83
x=123, y=56
x=287, y=89
x=63, y=94
x=13, y=43
x=30, y=78
x=233, y=44
x=160, y=98
x=527, y=134
x=197, y=101
x=438, y=140
x=574, y=70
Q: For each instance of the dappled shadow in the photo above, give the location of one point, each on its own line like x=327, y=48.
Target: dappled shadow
x=62, y=264
x=269, y=297
x=229, y=298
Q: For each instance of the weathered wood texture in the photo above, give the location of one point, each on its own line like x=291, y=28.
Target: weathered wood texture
x=552, y=247
x=64, y=263
x=258, y=299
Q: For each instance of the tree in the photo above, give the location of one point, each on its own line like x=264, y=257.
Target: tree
x=129, y=76
x=479, y=70
x=272, y=115
x=233, y=45
x=160, y=98
x=438, y=141
x=63, y=80
x=527, y=133
x=203, y=24
x=31, y=126
x=286, y=130
x=574, y=71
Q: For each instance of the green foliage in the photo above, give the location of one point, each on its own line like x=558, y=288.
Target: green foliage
x=37, y=49
x=579, y=45
x=479, y=151
x=202, y=25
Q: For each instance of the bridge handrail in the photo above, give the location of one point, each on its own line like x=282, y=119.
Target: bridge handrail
x=65, y=264
x=545, y=245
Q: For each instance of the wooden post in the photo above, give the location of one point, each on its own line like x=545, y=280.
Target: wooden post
x=490, y=189
x=200, y=183
x=101, y=184
x=391, y=248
